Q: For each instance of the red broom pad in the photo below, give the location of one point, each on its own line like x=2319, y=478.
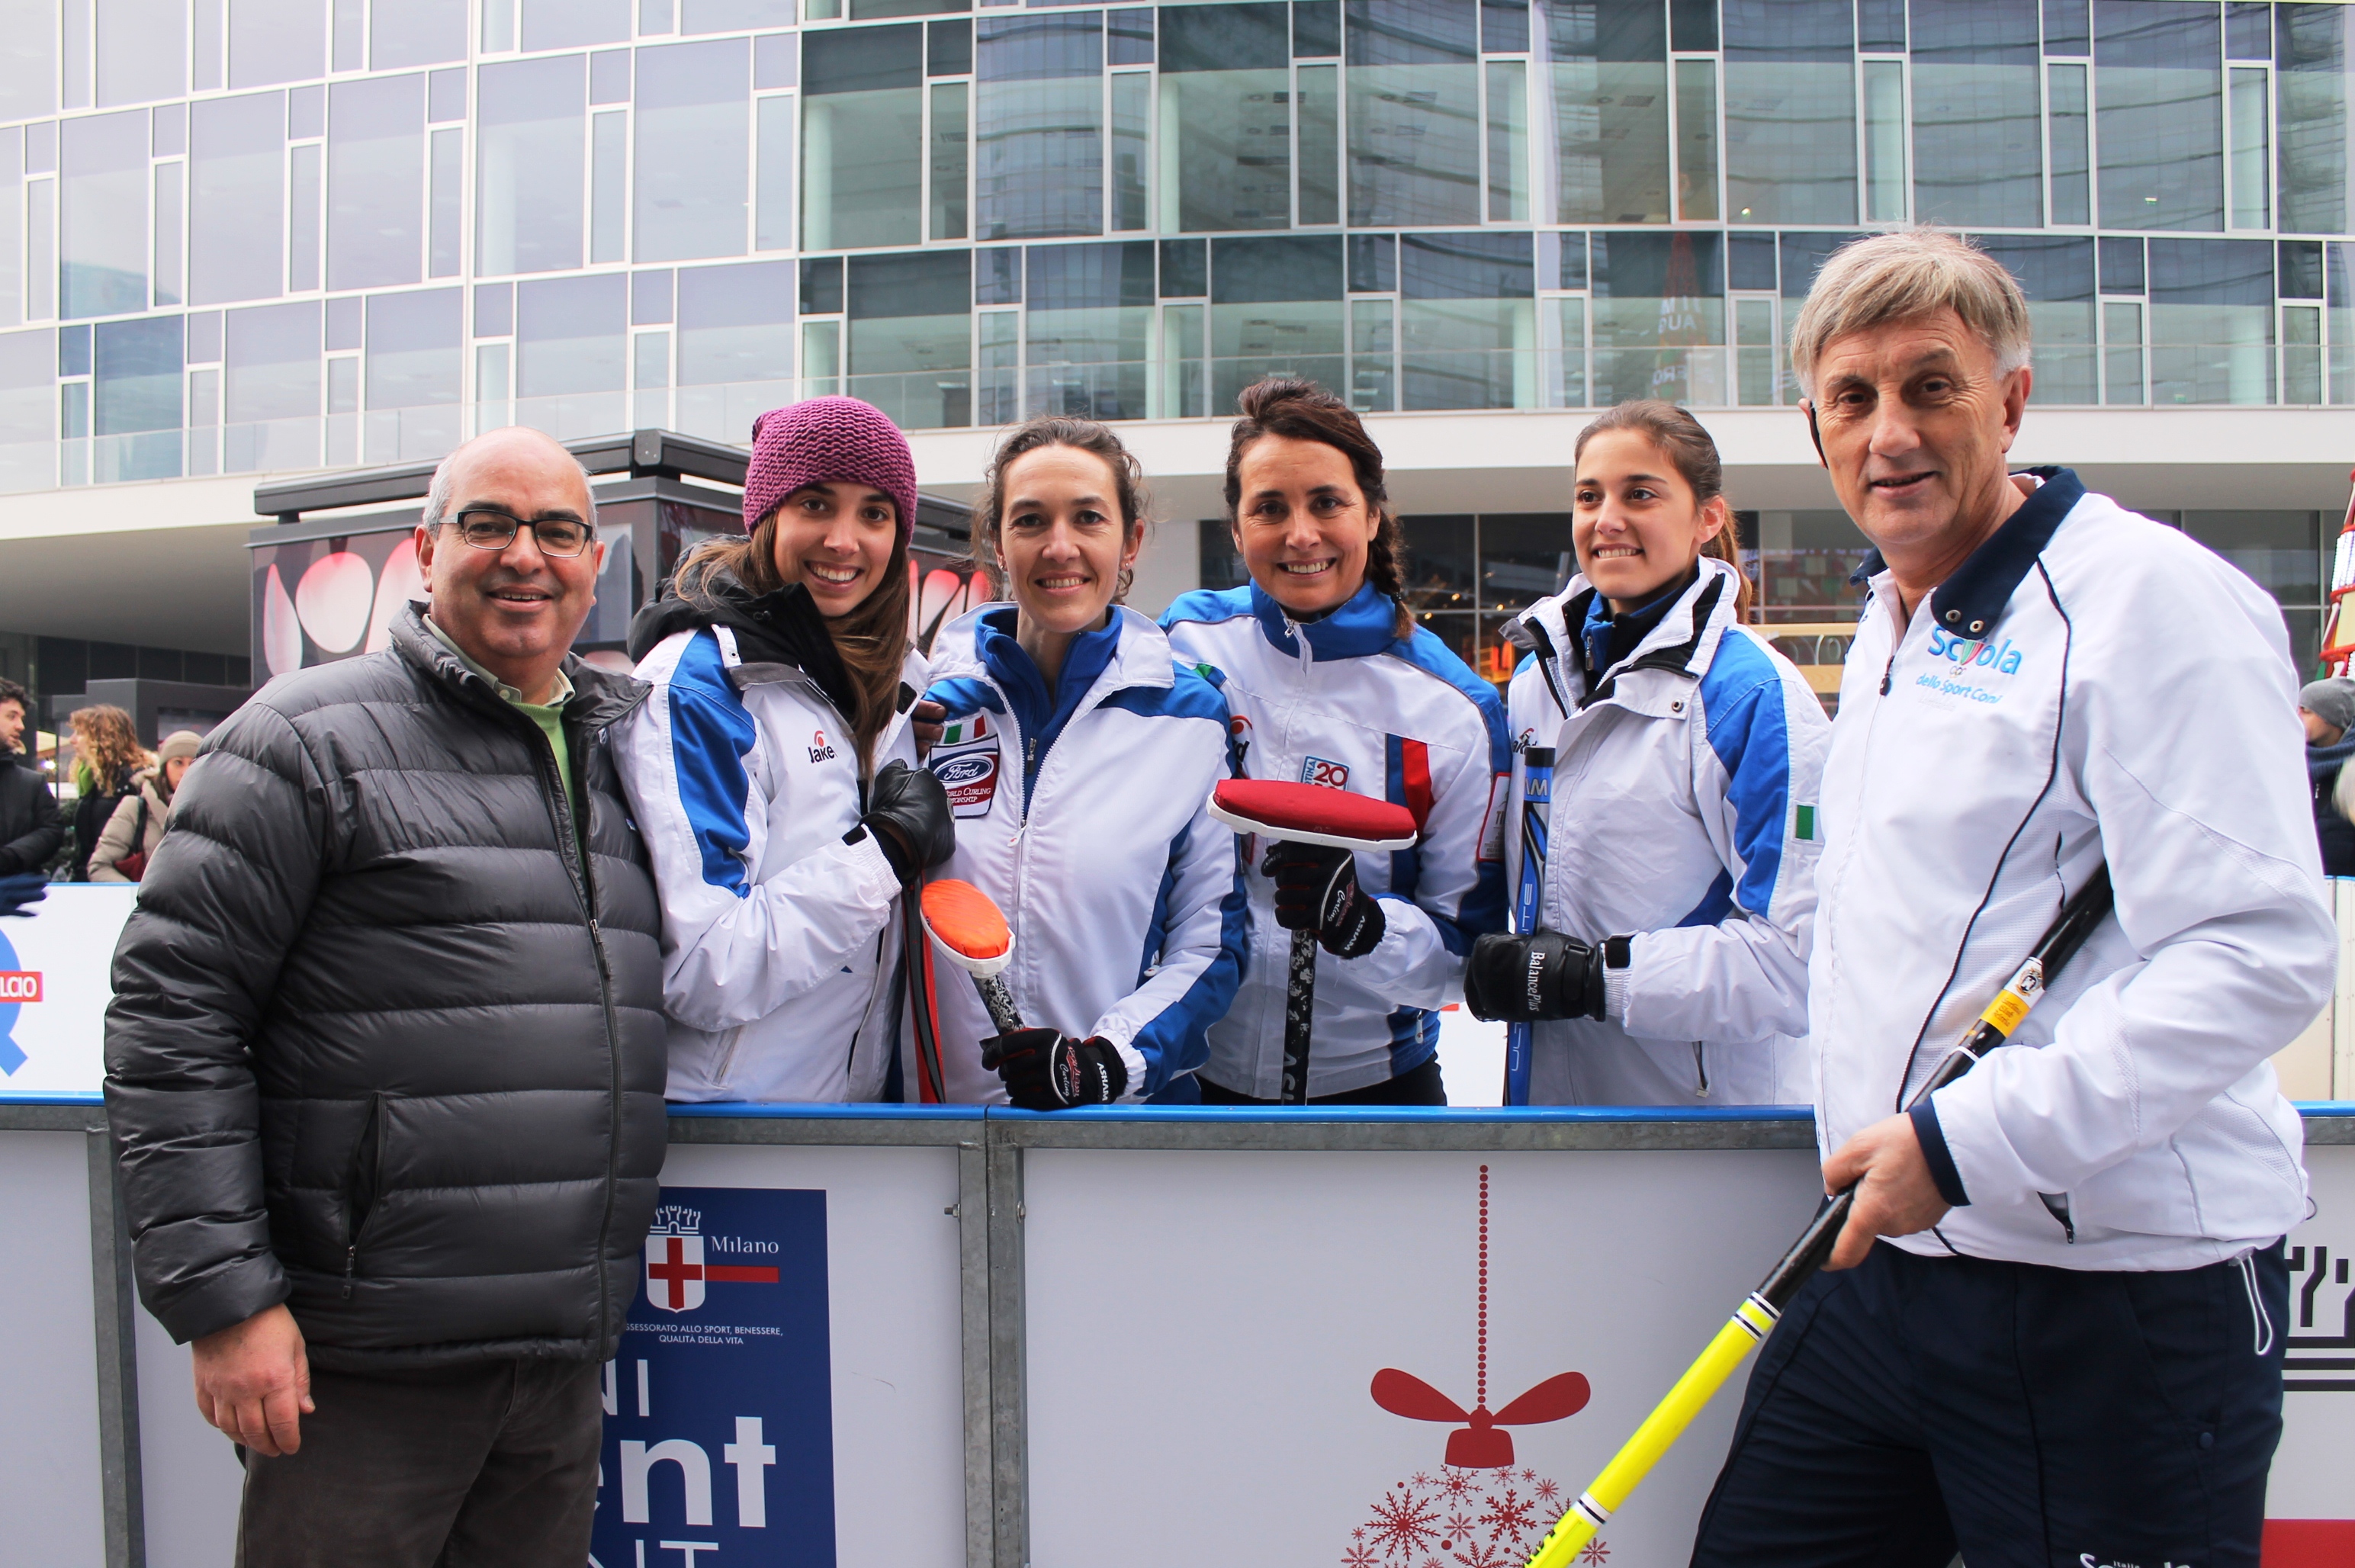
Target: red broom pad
x=966, y=922
x=1311, y=814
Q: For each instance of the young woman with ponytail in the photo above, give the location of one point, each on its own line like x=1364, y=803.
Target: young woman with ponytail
x=773, y=771
x=1671, y=962
x=1332, y=683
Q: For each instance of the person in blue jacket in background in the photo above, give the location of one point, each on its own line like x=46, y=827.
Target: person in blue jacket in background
x=1078, y=758
x=1332, y=683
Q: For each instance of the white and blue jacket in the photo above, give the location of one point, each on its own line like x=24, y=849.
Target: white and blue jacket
x=1345, y=701
x=2088, y=686
x=1685, y=779
x=1081, y=809
x=779, y=942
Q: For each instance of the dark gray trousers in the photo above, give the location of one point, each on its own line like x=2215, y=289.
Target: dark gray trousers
x=492, y=1465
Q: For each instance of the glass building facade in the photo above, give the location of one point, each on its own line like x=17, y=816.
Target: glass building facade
x=247, y=236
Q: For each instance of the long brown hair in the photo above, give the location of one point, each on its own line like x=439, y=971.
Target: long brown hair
x=1303, y=410
x=1685, y=443
x=106, y=749
x=871, y=640
x=1081, y=435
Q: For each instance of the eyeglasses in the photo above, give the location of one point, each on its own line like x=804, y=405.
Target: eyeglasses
x=495, y=530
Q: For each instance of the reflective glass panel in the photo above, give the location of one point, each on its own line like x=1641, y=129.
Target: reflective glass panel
x=416, y=32
x=773, y=220
x=571, y=353
x=415, y=374
x=2212, y=321
x=1226, y=117
x=446, y=202
x=1467, y=321
x=102, y=232
x=276, y=40
x=862, y=137
x=950, y=136
x=2251, y=153
x=141, y=50
x=1441, y=568
x=1524, y=557
x=376, y=181
x=1039, y=126
x=910, y=346
x=1659, y=317
x=237, y=179
x=170, y=238
x=1790, y=112
x=1090, y=312
x=2057, y=275
x=566, y=24
x=527, y=171
x=1977, y=147
x=270, y=388
x=2311, y=80
x=2073, y=190
x=28, y=410
x=694, y=136
x=2158, y=111
x=1276, y=309
x=1414, y=112
x=735, y=347
x=29, y=67
x=1316, y=110
x=1695, y=140
x=1610, y=73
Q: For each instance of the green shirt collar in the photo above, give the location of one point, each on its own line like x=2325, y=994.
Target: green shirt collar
x=560, y=695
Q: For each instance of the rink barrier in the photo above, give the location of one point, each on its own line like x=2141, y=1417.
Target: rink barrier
x=991, y=1145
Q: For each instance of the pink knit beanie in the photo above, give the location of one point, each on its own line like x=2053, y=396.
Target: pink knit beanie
x=827, y=441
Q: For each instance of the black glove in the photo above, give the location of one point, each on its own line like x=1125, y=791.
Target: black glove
x=1045, y=1070
x=1316, y=889
x=1529, y=979
x=908, y=812
x=18, y=891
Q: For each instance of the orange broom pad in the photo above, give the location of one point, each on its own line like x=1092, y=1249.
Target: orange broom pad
x=967, y=920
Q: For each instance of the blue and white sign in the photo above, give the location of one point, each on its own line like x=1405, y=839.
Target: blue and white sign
x=718, y=1447
x=54, y=988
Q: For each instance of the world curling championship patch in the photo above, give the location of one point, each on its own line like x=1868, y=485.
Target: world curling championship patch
x=965, y=761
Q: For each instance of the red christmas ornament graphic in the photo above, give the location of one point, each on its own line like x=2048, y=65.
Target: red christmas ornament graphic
x=1477, y=1511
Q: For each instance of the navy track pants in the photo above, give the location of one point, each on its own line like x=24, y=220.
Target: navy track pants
x=2030, y=1417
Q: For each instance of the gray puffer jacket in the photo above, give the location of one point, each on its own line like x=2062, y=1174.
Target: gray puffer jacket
x=381, y=1046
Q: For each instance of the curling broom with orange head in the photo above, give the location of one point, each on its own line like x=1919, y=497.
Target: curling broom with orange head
x=1755, y=1318
x=968, y=926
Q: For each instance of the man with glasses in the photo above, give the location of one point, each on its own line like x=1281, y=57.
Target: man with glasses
x=385, y=1060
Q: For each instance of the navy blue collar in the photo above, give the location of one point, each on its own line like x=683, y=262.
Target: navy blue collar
x=1044, y=708
x=1608, y=638
x=1971, y=599
x=1367, y=623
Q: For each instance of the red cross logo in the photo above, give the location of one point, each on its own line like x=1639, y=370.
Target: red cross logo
x=675, y=1273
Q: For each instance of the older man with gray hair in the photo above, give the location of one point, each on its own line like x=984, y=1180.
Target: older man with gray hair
x=2053, y=1329
x=385, y=1059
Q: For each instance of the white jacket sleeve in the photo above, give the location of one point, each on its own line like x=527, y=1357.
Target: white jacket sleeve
x=1459, y=889
x=735, y=950
x=1160, y=1027
x=1757, y=763
x=2210, y=840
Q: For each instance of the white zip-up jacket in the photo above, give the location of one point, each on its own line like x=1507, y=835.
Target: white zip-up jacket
x=1344, y=701
x=2088, y=686
x=1123, y=893
x=780, y=943
x=1683, y=815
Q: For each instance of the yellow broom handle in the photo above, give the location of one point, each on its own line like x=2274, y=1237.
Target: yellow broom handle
x=1750, y=1324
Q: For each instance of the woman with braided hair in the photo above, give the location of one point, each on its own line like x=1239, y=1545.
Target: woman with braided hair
x=1332, y=683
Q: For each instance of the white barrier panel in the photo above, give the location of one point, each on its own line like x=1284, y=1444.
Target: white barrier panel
x=828, y=1429
x=49, y=1447
x=54, y=988
x=1206, y=1330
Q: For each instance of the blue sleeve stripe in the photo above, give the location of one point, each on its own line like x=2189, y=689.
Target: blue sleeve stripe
x=1188, y=697
x=1208, y=604
x=1178, y=1040
x=710, y=735
x=1427, y=652
x=1715, y=904
x=964, y=696
x=1743, y=697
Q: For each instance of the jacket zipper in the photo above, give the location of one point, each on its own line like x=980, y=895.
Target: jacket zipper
x=369, y=1154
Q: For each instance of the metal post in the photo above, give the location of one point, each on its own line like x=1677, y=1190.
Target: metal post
x=972, y=1212
x=1008, y=1408
x=114, y=1305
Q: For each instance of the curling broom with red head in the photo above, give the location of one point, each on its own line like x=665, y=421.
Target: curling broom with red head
x=1308, y=814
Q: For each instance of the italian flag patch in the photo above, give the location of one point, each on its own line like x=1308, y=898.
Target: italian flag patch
x=963, y=730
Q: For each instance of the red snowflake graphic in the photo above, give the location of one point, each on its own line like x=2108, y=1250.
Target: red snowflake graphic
x=1488, y=1554
x=1457, y=1482
x=1402, y=1522
x=1595, y=1553
x=1509, y=1512
x=1547, y=1491
x=1358, y=1557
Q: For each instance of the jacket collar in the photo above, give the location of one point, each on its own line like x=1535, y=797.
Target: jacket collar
x=1366, y=624
x=1141, y=657
x=1971, y=599
x=1685, y=638
x=599, y=696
